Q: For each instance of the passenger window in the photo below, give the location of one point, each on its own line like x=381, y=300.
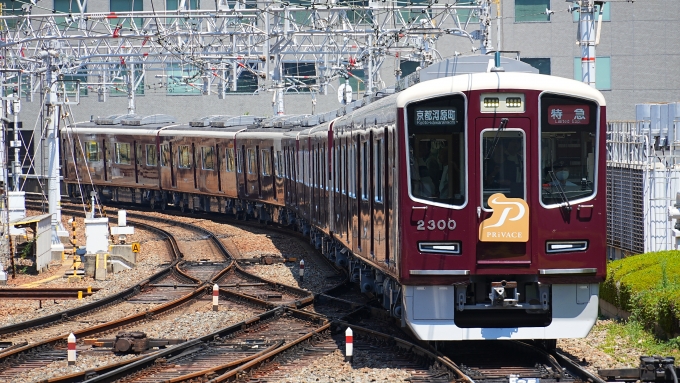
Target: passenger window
x=568, y=148
x=379, y=172
x=365, y=171
x=231, y=160
x=252, y=161
x=92, y=148
x=208, y=157
x=503, y=164
x=279, y=164
x=266, y=162
x=184, y=157
x=151, y=155
x=165, y=155
x=122, y=153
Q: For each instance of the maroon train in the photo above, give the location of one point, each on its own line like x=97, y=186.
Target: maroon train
x=473, y=206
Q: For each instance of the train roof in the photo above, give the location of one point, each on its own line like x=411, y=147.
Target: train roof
x=497, y=80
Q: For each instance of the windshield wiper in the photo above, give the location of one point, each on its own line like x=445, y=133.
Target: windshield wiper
x=563, y=195
x=504, y=121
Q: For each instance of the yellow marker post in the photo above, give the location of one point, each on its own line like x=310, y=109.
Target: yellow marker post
x=80, y=295
x=89, y=289
x=135, y=247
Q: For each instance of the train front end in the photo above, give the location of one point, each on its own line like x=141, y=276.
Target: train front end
x=501, y=206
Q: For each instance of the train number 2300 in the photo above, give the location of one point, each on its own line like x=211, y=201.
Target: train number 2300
x=436, y=225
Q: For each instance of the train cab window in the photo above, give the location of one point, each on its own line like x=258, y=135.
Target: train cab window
x=437, y=150
x=568, y=149
x=208, y=157
x=266, y=162
x=165, y=155
x=252, y=161
x=92, y=148
x=184, y=157
x=151, y=155
x=503, y=164
x=231, y=160
x=122, y=153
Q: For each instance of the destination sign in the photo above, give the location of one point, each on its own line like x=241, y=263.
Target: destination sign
x=568, y=115
x=435, y=116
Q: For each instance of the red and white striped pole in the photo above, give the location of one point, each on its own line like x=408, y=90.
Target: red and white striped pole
x=216, y=295
x=71, y=353
x=349, y=345
x=302, y=270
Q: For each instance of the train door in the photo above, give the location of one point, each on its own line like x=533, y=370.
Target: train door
x=194, y=164
x=136, y=160
x=354, y=197
x=105, y=156
x=378, y=224
x=258, y=170
x=502, y=162
x=241, y=176
x=274, y=171
x=344, y=225
x=316, y=173
x=323, y=168
x=173, y=171
x=218, y=166
x=364, y=194
x=286, y=178
x=336, y=187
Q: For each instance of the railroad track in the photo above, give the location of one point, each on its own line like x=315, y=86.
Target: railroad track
x=159, y=289
x=243, y=359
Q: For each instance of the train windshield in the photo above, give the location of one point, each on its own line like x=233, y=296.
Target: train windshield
x=437, y=150
x=568, y=143
x=504, y=164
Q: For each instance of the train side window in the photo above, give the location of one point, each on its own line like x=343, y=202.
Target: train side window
x=184, y=157
x=285, y=163
x=336, y=163
x=379, y=172
x=324, y=181
x=151, y=155
x=165, y=155
x=208, y=157
x=569, y=128
x=231, y=160
x=252, y=161
x=266, y=162
x=343, y=169
x=121, y=153
x=364, y=171
x=92, y=148
x=279, y=164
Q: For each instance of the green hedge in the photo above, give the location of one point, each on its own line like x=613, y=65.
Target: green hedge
x=647, y=286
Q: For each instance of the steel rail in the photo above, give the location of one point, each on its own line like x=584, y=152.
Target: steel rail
x=170, y=352
x=124, y=365
x=46, y=293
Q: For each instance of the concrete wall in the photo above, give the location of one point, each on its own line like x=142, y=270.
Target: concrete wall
x=641, y=39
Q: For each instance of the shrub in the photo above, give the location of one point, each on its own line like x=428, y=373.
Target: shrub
x=647, y=286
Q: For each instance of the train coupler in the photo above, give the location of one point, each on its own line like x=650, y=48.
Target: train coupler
x=504, y=294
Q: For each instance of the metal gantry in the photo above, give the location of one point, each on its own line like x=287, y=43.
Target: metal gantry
x=54, y=54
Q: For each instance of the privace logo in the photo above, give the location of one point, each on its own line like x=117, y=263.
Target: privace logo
x=509, y=221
